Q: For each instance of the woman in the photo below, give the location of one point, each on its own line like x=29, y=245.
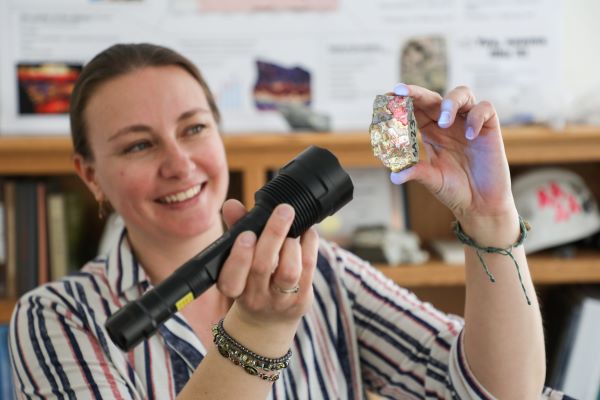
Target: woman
x=145, y=132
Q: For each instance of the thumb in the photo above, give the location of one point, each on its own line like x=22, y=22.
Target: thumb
x=233, y=210
x=408, y=174
x=422, y=172
x=398, y=178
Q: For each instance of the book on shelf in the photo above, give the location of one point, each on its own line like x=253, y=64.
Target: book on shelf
x=576, y=369
x=26, y=218
x=58, y=244
x=10, y=272
x=7, y=390
x=42, y=232
x=68, y=223
x=43, y=228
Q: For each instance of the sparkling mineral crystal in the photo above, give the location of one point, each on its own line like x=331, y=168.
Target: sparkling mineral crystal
x=394, y=132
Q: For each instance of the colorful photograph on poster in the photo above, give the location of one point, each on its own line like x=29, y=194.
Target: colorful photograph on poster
x=45, y=88
x=277, y=85
x=424, y=62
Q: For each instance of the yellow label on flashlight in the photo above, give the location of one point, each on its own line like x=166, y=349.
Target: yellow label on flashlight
x=184, y=301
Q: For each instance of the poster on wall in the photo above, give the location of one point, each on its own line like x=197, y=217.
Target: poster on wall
x=279, y=66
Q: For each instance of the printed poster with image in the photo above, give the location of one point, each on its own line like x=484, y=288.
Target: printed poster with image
x=279, y=66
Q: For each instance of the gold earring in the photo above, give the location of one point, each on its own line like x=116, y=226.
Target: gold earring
x=102, y=209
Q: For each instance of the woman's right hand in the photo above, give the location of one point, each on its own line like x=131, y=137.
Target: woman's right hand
x=258, y=272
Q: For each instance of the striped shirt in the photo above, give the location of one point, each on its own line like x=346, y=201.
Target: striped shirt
x=362, y=333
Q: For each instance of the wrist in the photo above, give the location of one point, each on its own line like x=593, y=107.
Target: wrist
x=500, y=230
x=269, y=339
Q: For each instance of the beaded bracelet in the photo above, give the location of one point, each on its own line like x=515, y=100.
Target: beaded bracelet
x=465, y=239
x=254, y=364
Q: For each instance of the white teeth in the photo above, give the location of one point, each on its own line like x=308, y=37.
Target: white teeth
x=181, y=196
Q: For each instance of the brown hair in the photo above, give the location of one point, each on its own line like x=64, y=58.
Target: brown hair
x=115, y=61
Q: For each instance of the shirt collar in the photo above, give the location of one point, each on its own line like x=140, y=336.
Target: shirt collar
x=125, y=275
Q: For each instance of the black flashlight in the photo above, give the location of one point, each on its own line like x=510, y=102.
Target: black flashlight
x=313, y=183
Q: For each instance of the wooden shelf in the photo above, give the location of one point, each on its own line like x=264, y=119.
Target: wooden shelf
x=52, y=155
x=524, y=145
x=545, y=270
x=22, y=155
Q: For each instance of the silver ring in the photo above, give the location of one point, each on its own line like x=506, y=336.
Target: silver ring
x=291, y=290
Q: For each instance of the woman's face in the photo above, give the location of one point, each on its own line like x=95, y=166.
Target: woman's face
x=158, y=156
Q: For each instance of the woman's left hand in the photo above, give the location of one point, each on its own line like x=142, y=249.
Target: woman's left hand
x=466, y=166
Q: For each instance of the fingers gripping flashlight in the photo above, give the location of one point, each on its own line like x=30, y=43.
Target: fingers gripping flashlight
x=313, y=183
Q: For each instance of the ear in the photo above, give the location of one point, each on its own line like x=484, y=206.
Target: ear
x=87, y=172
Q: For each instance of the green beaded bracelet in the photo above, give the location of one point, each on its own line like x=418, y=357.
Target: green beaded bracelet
x=468, y=241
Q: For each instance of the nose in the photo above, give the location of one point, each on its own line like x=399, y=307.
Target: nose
x=177, y=162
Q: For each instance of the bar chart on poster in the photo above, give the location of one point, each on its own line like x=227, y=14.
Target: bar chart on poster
x=265, y=57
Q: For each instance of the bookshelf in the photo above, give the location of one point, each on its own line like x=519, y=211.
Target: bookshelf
x=253, y=155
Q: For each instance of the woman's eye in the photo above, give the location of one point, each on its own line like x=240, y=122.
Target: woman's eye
x=136, y=147
x=196, y=129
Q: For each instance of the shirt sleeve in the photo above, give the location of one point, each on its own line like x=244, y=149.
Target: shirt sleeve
x=407, y=348
x=55, y=352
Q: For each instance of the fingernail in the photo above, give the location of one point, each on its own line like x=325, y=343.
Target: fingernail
x=446, y=104
x=401, y=89
x=284, y=211
x=444, y=118
x=247, y=238
x=470, y=133
x=398, y=178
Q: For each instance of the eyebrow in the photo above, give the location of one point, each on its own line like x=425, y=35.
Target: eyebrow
x=192, y=112
x=130, y=128
x=146, y=128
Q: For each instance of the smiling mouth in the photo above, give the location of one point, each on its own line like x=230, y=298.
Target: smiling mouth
x=181, y=196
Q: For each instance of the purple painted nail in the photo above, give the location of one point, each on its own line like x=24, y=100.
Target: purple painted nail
x=401, y=89
x=470, y=134
x=444, y=119
x=446, y=104
x=398, y=178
